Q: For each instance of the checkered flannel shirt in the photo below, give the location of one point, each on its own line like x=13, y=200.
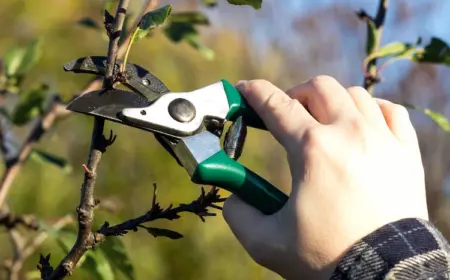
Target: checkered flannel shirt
x=405, y=250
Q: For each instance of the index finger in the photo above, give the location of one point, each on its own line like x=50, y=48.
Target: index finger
x=284, y=117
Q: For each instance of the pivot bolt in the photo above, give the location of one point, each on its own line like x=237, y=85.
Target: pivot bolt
x=182, y=110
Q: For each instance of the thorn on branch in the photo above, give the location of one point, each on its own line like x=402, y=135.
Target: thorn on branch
x=370, y=81
x=198, y=207
x=154, y=195
x=109, y=24
x=364, y=16
x=88, y=172
x=106, y=142
x=44, y=266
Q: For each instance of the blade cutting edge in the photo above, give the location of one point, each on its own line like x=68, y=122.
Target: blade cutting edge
x=107, y=103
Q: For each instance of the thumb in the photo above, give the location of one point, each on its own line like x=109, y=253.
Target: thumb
x=241, y=217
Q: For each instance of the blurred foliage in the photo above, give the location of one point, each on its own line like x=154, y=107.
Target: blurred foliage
x=111, y=257
x=184, y=60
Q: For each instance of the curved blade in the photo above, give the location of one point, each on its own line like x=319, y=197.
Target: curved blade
x=137, y=78
x=107, y=104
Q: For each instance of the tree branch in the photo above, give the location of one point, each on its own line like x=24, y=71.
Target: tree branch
x=371, y=78
x=55, y=112
x=85, y=238
x=198, y=207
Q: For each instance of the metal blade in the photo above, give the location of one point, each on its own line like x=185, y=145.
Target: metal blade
x=107, y=104
x=137, y=78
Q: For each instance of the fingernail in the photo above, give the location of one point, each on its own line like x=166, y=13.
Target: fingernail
x=241, y=84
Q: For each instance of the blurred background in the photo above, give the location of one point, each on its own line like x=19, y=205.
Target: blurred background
x=286, y=42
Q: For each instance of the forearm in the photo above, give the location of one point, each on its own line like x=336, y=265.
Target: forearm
x=406, y=249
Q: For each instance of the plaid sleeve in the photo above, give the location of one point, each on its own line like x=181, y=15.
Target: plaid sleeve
x=404, y=250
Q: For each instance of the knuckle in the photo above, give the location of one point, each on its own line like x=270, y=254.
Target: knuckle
x=313, y=139
x=323, y=82
x=356, y=125
x=400, y=110
x=357, y=90
x=276, y=101
x=257, y=85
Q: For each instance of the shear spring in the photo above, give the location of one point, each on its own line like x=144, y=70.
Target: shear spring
x=235, y=139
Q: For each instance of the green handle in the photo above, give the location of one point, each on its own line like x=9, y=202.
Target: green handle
x=221, y=171
x=239, y=107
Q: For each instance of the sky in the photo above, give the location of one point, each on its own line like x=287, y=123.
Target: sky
x=275, y=24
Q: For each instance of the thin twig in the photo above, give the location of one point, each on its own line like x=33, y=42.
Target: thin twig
x=14, y=266
x=85, y=237
x=371, y=78
x=43, y=124
x=11, y=221
x=31, y=246
x=24, y=249
x=47, y=120
x=198, y=207
x=114, y=38
x=148, y=6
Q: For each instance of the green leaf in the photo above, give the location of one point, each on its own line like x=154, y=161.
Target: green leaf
x=66, y=238
x=33, y=52
x=409, y=54
x=13, y=59
x=210, y=3
x=98, y=265
x=18, y=61
x=437, y=118
x=179, y=31
x=44, y=157
x=156, y=232
x=30, y=106
x=151, y=20
x=392, y=49
x=94, y=260
x=33, y=274
x=190, y=17
x=115, y=251
x=254, y=3
x=437, y=51
x=183, y=31
x=194, y=41
x=89, y=22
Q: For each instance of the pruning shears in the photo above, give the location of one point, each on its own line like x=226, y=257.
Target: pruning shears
x=188, y=125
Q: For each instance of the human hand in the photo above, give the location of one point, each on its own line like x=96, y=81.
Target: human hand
x=355, y=165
